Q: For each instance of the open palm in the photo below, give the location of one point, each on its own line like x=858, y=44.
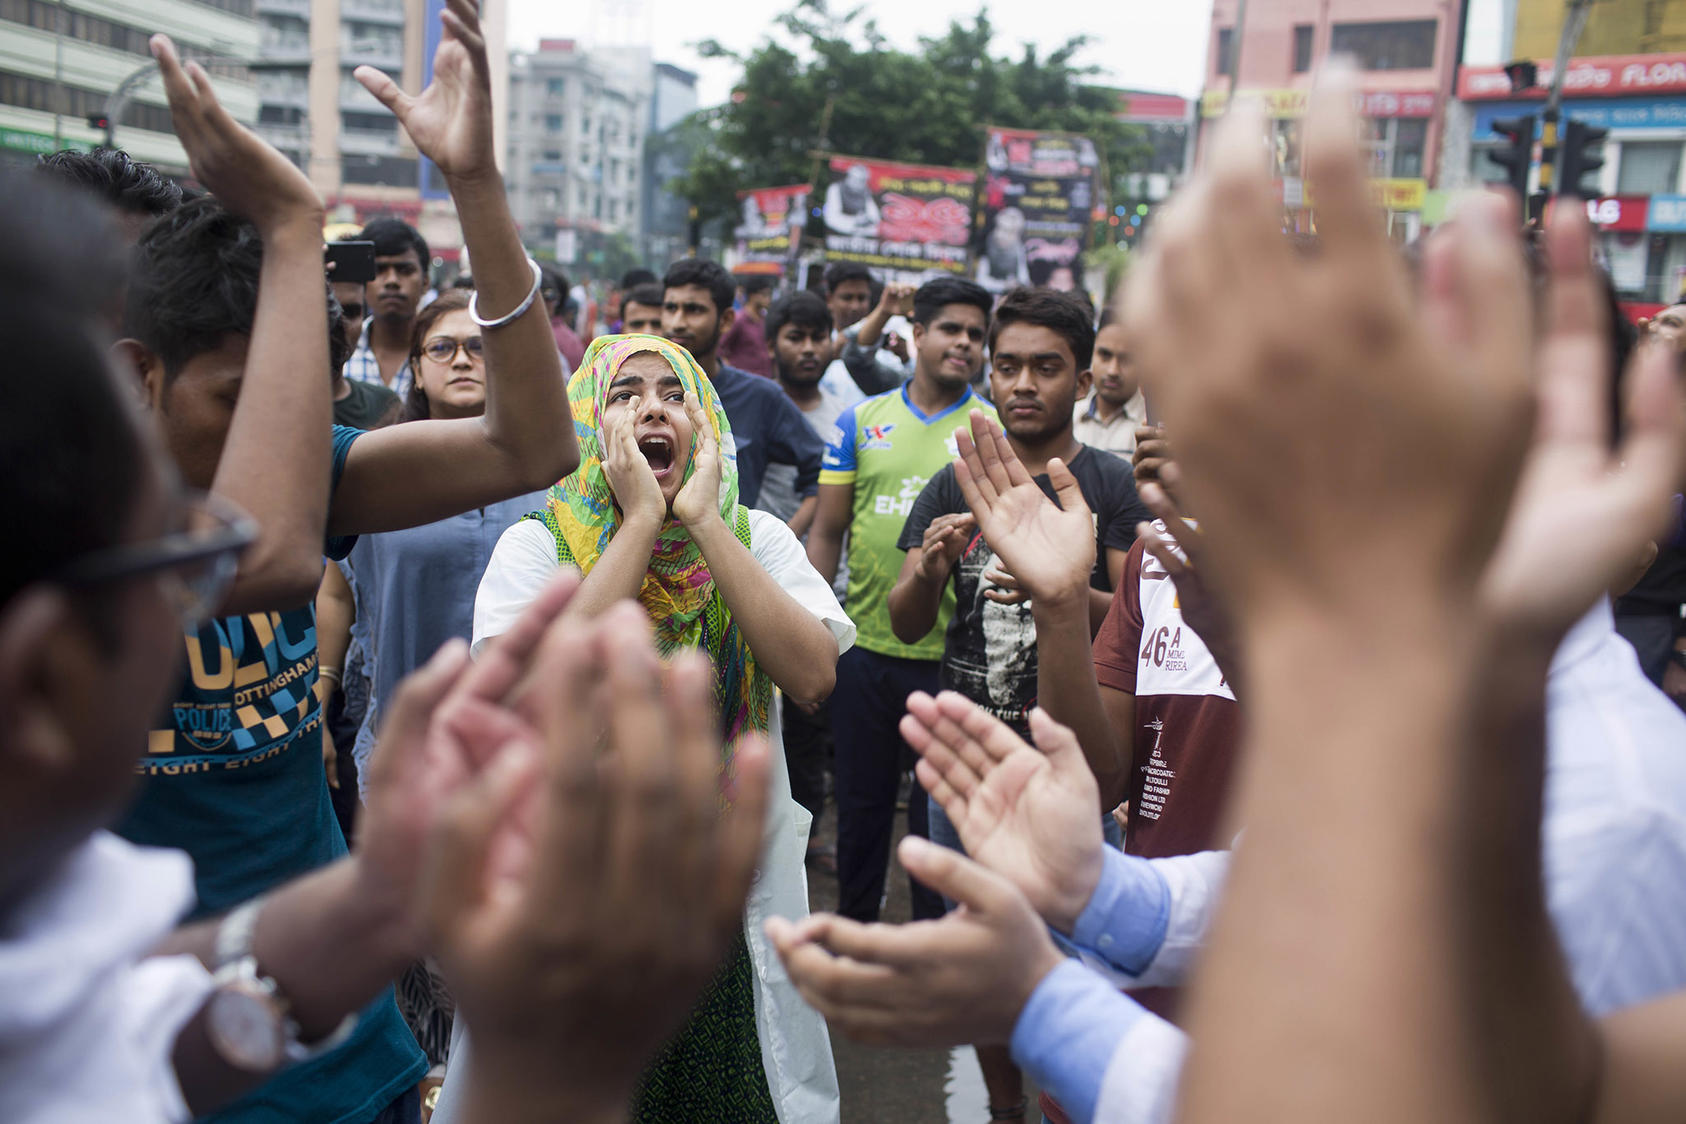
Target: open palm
x=1050, y=548
x=450, y=121
x=1026, y=813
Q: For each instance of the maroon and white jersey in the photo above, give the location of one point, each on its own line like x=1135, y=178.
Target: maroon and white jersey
x=1186, y=721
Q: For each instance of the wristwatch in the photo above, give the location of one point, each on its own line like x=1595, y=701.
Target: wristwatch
x=248, y=1018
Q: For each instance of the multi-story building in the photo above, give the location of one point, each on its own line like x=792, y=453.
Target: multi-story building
x=667, y=154
x=577, y=121
x=313, y=109
x=1627, y=74
x=61, y=61
x=1406, y=51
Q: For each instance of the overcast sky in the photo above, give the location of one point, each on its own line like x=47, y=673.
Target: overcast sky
x=1141, y=44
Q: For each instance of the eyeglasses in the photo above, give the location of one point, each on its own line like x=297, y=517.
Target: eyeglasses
x=194, y=567
x=443, y=349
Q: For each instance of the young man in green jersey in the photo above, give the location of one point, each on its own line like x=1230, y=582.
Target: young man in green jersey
x=879, y=456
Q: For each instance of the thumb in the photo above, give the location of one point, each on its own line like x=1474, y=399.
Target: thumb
x=386, y=91
x=1056, y=742
x=954, y=876
x=404, y=731
x=1065, y=486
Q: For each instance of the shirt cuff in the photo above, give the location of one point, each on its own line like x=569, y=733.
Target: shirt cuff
x=1068, y=1033
x=1127, y=915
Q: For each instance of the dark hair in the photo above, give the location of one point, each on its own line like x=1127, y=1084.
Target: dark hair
x=117, y=178
x=452, y=300
x=934, y=296
x=802, y=308
x=650, y=295
x=700, y=271
x=1061, y=313
x=633, y=278
x=394, y=237
x=70, y=442
x=553, y=278
x=195, y=283
x=757, y=283
x=841, y=273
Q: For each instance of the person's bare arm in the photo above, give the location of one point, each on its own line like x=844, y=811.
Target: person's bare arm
x=275, y=463
x=794, y=647
x=413, y=474
x=800, y=522
x=833, y=513
x=1099, y=599
x=335, y=610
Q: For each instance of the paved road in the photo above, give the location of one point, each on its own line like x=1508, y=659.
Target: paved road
x=896, y=1086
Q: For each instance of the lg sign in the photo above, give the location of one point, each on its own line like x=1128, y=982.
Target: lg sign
x=1604, y=212
x=1623, y=212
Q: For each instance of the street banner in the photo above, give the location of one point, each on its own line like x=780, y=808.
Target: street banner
x=767, y=219
x=901, y=220
x=1034, y=214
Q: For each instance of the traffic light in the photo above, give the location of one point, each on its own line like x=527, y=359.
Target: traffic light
x=1516, y=155
x=99, y=121
x=1580, y=152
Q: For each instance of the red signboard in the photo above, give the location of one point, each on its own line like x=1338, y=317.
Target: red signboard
x=1134, y=105
x=1605, y=76
x=1618, y=212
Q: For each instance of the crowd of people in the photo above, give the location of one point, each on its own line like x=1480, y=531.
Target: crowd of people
x=1312, y=751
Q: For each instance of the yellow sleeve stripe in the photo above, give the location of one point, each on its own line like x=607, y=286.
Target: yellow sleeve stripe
x=837, y=476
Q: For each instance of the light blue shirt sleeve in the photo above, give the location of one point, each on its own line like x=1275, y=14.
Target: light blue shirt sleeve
x=1127, y=916
x=1068, y=1033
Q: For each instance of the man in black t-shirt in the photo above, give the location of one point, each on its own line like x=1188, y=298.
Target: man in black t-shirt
x=1041, y=343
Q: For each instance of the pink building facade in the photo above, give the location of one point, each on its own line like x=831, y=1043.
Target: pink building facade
x=1406, y=50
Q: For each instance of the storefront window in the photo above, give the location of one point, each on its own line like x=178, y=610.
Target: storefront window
x=1648, y=168
x=1410, y=137
x=1644, y=267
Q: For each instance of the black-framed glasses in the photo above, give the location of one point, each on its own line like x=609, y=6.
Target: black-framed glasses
x=195, y=567
x=443, y=349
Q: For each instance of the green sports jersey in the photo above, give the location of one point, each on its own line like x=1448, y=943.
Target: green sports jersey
x=887, y=449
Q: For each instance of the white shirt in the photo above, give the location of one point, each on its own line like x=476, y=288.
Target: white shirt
x=795, y=1046
x=88, y=1022
x=1613, y=838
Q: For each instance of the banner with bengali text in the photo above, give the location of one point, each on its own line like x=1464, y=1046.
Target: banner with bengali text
x=1038, y=200
x=767, y=218
x=903, y=220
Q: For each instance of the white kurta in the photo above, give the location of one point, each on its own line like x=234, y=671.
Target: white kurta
x=795, y=1046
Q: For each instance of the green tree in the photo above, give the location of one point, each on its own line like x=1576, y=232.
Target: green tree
x=842, y=88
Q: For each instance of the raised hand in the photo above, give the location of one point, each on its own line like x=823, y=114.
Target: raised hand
x=1026, y=814
x=1050, y=548
x=962, y=979
x=1584, y=511
x=450, y=121
x=1333, y=386
x=1153, y=453
x=699, y=500
x=574, y=966
x=246, y=174
x=944, y=542
x=636, y=488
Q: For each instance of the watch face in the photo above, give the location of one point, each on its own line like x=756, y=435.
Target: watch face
x=245, y=1027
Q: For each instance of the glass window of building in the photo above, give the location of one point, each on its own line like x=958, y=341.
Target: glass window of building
x=1648, y=168
x=1386, y=45
x=1302, y=47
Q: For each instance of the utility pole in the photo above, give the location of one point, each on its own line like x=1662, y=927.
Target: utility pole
x=1574, y=21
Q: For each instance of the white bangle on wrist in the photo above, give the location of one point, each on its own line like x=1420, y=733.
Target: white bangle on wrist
x=520, y=310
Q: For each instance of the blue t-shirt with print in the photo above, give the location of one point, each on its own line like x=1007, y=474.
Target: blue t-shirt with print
x=233, y=776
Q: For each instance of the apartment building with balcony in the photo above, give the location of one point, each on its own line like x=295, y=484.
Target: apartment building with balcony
x=61, y=61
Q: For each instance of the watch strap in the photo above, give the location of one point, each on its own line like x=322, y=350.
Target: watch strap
x=234, y=935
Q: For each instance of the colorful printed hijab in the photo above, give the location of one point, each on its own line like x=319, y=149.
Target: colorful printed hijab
x=678, y=591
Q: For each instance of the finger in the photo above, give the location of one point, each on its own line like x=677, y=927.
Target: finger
x=955, y=877
x=1065, y=486
x=453, y=885
x=1001, y=578
x=975, y=483
x=1006, y=597
x=989, y=453
x=738, y=846
x=1653, y=449
x=403, y=735
x=948, y=730
x=569, y=713
x=178, y=92
x=1244, y=210
x=1347, y=217
x=644, y=795
x=481, y=728
x=463, y=18
x=839, y=988
x=1476, y=294
x=947, y=797
x=992, y=736
x=1016, y=471
x=1574, y=365
x=942, y=760
x=385, y=90
x=503, y=661
x=1056, y=742
x=1162, y=551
